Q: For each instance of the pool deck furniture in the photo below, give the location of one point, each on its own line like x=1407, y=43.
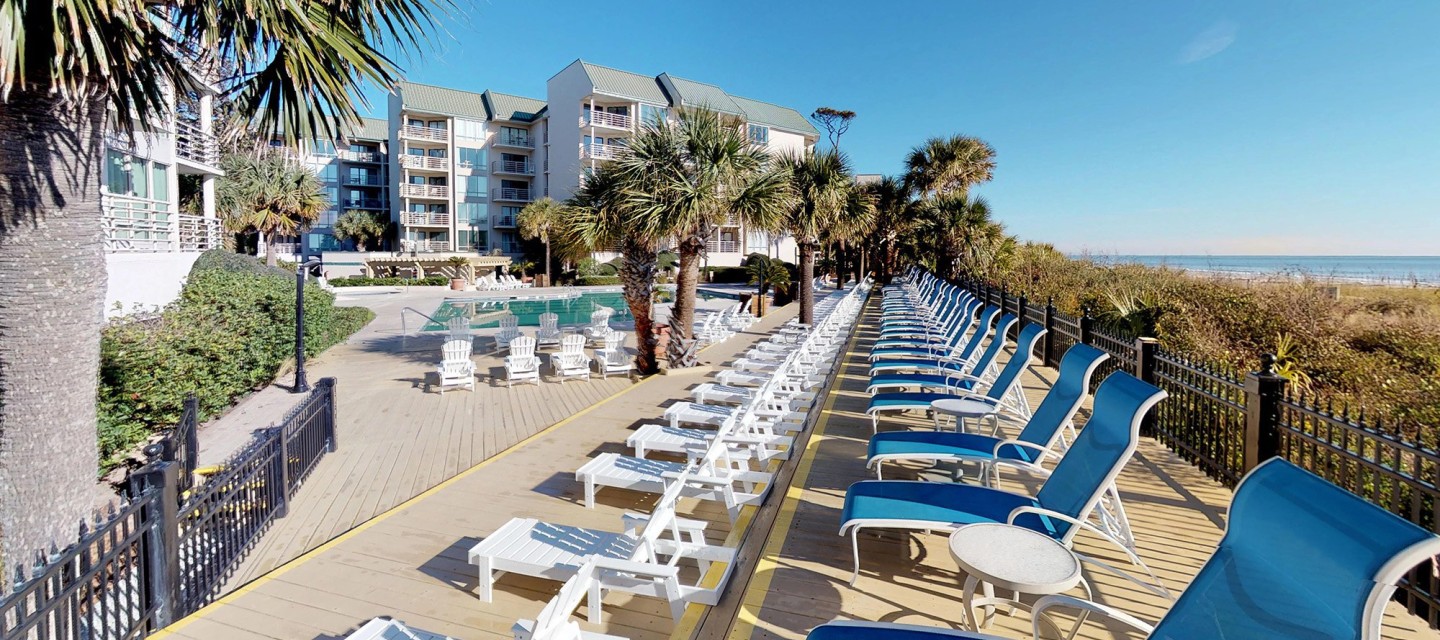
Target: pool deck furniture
x=998, y=555
x=456, y=369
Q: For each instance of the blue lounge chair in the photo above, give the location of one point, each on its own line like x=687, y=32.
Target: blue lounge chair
x=984, y=368
x=1037, y=442
x=957, y=321
x=946, y=354
x=1301, y=558
x=1060, y=509
x=1003, y=393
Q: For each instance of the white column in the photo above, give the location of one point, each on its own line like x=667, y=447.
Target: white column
x=207, y=115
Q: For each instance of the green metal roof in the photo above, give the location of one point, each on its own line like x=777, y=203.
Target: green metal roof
x=450, y=102
x=699, y=94
x=504, y=106
x=371, y=129
x=775, y=115
x=624, y=84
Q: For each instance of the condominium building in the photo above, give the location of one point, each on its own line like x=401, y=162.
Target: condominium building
x=354, y=169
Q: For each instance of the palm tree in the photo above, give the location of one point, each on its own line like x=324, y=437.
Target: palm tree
x=959, y=227
x=72, y=72
x=269, y=194
x=595, y=219
x=683, y=181
x=949, y=165
x=360, y=226
x=537, y=220
x=820, y=182
x=766, y=272
x=852, y=223
x=894, y=220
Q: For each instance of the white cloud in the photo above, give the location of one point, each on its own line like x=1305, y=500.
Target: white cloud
x=1210, y=42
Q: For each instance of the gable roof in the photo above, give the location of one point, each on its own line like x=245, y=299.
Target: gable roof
x=775, y=115
x=504, y=106
x=450, y=102
x=699, y=94
x=624, y=83
x=371, y=129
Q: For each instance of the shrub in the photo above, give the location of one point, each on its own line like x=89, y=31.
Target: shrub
x=232, y=330
x=598, y=280
x=728, y=275
x=361, y=281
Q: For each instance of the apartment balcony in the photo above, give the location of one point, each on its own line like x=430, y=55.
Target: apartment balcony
x=519, y=142
x=142, y=225
x=723, y=246
x=606, y=119
x=365, y=203
x=519, y=168
x=417, y=219
x=600, y=151
x=439, y=191
x=507, y=194
x=424, y=134
x=196, y=145
x=360, y=156
x=504, y=222
x=363, y=181
x=198, y=233
x=425, y=246
x=430, y=163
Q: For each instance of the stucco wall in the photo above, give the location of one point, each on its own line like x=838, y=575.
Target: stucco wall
x=144, y=281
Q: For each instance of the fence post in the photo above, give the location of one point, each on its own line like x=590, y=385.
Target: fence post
x=1145, y=349
x=1048, y=340
x=161, y=542
x=1004, y=299
x=282, y=473
x=1087, y=327
x=1022, y=307
x=1263, y=391
x=330, y=415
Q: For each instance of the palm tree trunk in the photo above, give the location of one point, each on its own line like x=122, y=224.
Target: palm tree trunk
x=682, y=316
x=637, y=276
x=52, y=264
x=807, y=284
x=272, y=243
x=547, y=262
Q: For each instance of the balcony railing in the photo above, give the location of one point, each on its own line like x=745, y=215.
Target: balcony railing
x=600, y=151
x=281, y=249
x=360, y=156
x=136, y=224
x=198, y=233
x=425, y=246
x=418, y=219
x=432, y=134
x=511, y=247
x=194, y=144
x=512, y=166
x=508, y=193
x=424, y=162
x=524, y=142
x=507, y=222
x=606, y=119
x=364, y=203
x=722, y=246
x=364, y=180
x=425, y=190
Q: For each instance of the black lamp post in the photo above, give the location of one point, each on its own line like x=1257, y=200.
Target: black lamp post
x=311, y=266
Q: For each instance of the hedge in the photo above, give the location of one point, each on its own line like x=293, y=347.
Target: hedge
x=598, y=280
x=361, y=281
x=231, y=330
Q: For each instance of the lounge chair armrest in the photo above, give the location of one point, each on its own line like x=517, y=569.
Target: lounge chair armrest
x=638, y=568
x=632, y=520
x=1071, y=602
x=1157, y=587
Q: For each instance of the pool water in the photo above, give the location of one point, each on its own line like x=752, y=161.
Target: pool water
x=571, y=308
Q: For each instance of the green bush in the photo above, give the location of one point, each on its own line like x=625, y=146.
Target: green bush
x=728, y=275
x=232, y=330
x=598, y=280
x=427, y=281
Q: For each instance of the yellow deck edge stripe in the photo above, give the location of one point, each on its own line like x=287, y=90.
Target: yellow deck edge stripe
x=745, y=621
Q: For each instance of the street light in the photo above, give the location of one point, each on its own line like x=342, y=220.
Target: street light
x=313, y=267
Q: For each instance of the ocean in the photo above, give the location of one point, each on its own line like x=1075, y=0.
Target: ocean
x=1392, y=270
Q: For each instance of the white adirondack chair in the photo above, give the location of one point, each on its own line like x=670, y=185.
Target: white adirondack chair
x=509, y=330
x=599, y=326
x=522, y=364
x=458, y=327
x=456, y=368
x=549, y=333
x=571, y=361
x=612, y=358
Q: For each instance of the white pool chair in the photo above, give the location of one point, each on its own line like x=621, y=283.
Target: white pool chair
x=571, y=361
x=509, y=330
x=458, y=327
x=759, y=442
x=554, y=622
x=549, y=334
x=456, y=369
x=522, y=364
x=725, y=480
x=612, y=358
x=384, y=629
x=599, y=326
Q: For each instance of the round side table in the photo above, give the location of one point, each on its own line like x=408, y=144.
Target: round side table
x=966, y=408
x=1012, y=558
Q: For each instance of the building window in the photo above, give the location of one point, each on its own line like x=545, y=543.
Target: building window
x=476, y=187
x=759, y=134
x=329, y=173
x=324, y=148
x=469, y=129
x=651, y=114
x=514, y=136
x=510, y=214
x=474, y=239
x=475, y=213
x=471, y=158
x=415, y=151
x=356, y=147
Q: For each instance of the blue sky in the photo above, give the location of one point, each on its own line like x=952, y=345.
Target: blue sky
x=1127, y=127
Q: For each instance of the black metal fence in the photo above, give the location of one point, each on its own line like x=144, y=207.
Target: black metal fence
x=167, y=551
x=1226, y=422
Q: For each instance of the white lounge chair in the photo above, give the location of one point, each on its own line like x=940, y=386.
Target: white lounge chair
x=384, y=629
x=630, y=561
x=599, y=326
x=554, y=621
x=509, y=330
x=571, y=361
x=612, y=358
x=522, y=364
x=456, y=369
x=549, y=333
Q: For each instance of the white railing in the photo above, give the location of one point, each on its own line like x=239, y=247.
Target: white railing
x=606, y=119
x=136, y=224
x=512, y=166
x=413, y=132
x=424, y=162
x=722, y=246
x=425, y=190
x=508, y=193
x=198, y=233
x=418, y=219
x=365, y=180
x=600, y=151
x=425, y=246
x=731, y=220
x=523, y=142
x=505, y=221
x=281, y=249
x=360, y=156
x=195, y=145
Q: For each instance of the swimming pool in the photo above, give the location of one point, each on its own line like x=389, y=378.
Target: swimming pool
x=572, y=307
